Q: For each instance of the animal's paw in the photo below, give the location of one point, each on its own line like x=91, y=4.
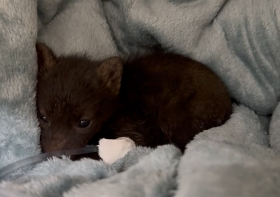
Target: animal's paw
x=112, y=150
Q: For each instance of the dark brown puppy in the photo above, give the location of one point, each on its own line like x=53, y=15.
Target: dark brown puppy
x=156, y=99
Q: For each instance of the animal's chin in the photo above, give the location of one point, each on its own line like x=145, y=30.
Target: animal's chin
x=48, y=150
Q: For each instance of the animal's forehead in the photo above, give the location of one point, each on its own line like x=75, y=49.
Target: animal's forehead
x=70, y=99
x=67, y=106
x=66, y=94
x=70, y=84
x=71, y=73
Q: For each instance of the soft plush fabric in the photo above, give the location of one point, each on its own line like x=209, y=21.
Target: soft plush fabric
x=239, y=40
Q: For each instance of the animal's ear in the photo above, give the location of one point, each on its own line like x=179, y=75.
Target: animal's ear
x=110, y=74
x=45, y=57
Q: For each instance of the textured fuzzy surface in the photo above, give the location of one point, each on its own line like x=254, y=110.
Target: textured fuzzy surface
x=237, y=39
x=18, y=123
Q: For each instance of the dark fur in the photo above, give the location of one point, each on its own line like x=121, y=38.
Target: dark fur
x=157, y=99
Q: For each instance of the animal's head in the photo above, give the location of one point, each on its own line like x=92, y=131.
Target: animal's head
x=75, y=96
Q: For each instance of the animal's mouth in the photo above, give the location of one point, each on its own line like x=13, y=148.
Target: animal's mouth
x=55, y=146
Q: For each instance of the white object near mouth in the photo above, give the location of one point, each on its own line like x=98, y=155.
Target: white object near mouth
x=110, y=150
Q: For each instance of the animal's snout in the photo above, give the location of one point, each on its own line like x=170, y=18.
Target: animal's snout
x=54, y=145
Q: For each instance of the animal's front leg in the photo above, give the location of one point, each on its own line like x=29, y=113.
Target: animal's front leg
x=122, y=125
x=110, y=150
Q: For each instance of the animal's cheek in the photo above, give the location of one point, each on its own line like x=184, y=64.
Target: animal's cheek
x=54, y=144
x=82, y=131
x=43, y=125
x=45, y=145
x=45, y=135
x=81, y=141
x=95, y=128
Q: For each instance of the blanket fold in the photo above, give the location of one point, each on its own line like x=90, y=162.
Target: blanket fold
x=18, y=123
x=236, y=39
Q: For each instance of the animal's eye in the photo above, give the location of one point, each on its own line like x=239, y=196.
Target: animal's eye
x=84, y=123
x=43, y=118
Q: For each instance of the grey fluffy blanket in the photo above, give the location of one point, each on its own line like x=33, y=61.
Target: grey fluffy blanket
x=238, y=39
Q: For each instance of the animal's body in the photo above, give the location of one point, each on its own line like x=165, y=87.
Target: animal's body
x=154, y=100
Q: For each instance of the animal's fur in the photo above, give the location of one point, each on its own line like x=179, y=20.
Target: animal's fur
x=156, y=99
